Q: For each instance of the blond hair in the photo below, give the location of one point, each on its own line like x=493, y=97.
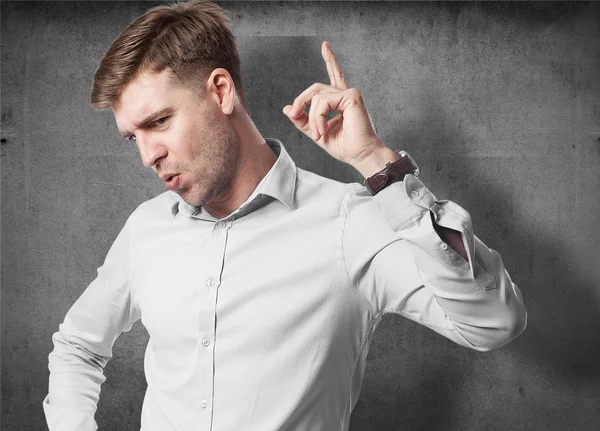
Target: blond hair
x=191, y=39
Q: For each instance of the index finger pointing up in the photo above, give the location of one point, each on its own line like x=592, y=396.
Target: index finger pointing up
x=333, y=68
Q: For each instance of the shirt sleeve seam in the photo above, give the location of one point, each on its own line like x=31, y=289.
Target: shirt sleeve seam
x=344, y=210
x=368, y=335
x=414, y=317
x=131, y=306
x=132, y=298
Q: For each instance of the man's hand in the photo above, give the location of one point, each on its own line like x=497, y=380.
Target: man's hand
x=350, y=135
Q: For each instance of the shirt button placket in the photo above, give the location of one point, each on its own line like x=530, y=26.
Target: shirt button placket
x=206, y=353
x=212, y=282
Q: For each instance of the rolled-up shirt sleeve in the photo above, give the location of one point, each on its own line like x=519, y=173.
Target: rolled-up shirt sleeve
x=84, y=341
x=396, y=259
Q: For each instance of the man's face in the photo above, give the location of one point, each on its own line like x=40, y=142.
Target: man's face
x=182, y=135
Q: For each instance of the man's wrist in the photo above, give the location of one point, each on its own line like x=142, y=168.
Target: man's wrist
x=376, y=161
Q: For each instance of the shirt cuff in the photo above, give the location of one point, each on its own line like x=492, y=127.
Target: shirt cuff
x=408, y=200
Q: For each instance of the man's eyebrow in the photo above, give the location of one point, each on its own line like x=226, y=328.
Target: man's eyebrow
x=148, y=120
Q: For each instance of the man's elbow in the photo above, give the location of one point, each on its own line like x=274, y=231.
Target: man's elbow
x=516, y=323
x=67, y=352
x=510, y=326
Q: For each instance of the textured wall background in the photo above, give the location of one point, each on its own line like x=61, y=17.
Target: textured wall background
x=498, y=103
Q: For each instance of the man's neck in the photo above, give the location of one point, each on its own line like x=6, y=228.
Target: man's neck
x=255, y=160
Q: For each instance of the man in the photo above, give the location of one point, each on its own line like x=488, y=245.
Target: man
x=261, y=284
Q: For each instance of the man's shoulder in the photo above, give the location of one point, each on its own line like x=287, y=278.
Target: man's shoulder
x=315, y=186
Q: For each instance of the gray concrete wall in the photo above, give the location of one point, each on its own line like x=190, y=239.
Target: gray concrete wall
x=498, y=103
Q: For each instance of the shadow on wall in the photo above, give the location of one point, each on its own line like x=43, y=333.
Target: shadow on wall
x=557, y=355
x=561, y=344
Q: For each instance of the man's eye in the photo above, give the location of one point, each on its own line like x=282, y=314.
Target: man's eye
x=161, y=121
x=131, y=138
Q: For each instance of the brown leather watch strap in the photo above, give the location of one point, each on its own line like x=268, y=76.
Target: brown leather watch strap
x=393, y=172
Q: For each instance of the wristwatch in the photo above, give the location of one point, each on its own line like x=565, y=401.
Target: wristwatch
x=392, y=173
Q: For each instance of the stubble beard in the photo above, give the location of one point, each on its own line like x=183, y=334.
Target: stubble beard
x=217, y=169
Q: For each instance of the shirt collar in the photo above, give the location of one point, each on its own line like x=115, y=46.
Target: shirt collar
x=279, y=183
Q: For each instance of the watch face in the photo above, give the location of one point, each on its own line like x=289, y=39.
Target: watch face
x=412, y=161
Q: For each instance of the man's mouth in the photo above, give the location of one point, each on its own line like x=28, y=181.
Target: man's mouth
x=171, y=181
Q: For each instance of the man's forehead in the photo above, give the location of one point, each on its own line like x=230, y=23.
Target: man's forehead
x=144, y=96
x=143, y=88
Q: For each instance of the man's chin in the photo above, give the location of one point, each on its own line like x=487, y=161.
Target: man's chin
x=193, y=202
x=191, y=199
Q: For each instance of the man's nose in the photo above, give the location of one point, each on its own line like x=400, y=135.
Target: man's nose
x=151, y=150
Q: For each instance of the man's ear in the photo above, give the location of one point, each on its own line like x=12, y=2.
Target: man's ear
x=222, y=89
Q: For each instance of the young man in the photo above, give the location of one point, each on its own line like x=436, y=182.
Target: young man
x=261, y=284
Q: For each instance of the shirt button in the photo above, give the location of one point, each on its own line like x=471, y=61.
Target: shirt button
x=444, y=246
x=203, y=403
x=414, y=193
x=210, y=282
x=206, y=342
x=220, y=224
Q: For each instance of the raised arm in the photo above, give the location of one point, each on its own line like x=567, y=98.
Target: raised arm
x=406, y=251
x=397, y=260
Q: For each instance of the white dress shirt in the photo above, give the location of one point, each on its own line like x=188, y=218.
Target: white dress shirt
x=262, y=320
